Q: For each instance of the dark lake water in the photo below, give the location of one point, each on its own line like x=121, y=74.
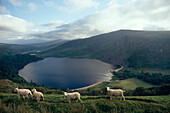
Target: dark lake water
x=66, y=72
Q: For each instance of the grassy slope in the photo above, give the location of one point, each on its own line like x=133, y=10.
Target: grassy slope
x=7, y=86
x=130, y=83
x=57, y=103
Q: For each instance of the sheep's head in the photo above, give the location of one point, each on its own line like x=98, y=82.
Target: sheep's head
x=107, y=88
x=33, y=90
x=15, y=90
x=65, y=93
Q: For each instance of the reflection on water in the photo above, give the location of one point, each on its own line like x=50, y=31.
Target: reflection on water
x=66, y=72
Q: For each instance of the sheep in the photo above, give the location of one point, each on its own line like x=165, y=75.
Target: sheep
x=74, y=95
x=115, y=92
x=37, y=94
x=23, y=92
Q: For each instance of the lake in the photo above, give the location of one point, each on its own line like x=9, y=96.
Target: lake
x=66, y=72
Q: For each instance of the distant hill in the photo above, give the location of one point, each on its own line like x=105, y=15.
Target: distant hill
x=13, y=48
x=48, y=44
x=137, y=49
x=28, y=48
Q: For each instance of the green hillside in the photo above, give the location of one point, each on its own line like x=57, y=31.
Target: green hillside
x=7, y=86
x=137, y=49
x=131, y=83
x=59, y=104
x=56, y=102
x=10, y=65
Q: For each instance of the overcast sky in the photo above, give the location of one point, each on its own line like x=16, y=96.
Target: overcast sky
x=30, y=21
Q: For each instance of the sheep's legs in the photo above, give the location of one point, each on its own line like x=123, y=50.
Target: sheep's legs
x=38, y=99
x=27, y=96
x=110, y=97
x=80, y=100
x=123, y=98
x=68, y=100
x=24, y=97
x=18, y=96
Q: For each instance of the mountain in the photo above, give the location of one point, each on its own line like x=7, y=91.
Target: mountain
x=13, y=48
x=47, y=44
x=138, y=49
x=28, y=48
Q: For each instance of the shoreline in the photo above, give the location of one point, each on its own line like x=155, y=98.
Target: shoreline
x=89, y=86
x=116, y=70
x=86, y=87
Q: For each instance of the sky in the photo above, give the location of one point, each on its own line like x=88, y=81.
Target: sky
x=35, y=21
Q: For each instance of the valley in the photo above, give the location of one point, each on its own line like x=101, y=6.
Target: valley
x=145, y=77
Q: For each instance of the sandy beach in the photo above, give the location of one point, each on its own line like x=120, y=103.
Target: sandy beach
x=86, y=87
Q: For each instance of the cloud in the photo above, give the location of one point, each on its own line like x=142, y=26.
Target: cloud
x=20, y=31
x=15, y=24
x=54, y=23
x=148, y=16
x=132, y=15
x=15, y=2
x=17, y=30
x=78, y=29
x=13, y=27
x=3, y=10
x=32, y=6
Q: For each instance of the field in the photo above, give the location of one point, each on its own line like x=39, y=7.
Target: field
x=57, y=103
x=130, y=83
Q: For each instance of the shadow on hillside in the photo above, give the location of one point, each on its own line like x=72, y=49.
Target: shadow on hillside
x=144, y=100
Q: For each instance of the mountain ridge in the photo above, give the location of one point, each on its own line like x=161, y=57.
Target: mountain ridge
x=6, y=48
x=123, y=47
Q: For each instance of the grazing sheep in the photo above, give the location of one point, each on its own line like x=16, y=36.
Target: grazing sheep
x=74, y=95
x=115, y=92
x=37, y=94
x=23, y=92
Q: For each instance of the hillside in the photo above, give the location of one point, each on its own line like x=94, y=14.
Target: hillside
x=56, y=102
x=99, y=104
x=131, y=83
x=13, y=48
x=10, y=64
x=28, y=48
x=137, y=49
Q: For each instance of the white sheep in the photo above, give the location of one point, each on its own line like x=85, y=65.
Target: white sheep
x=37, y=94
x=74, y=95
x=115, y=92
x=23, y=92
